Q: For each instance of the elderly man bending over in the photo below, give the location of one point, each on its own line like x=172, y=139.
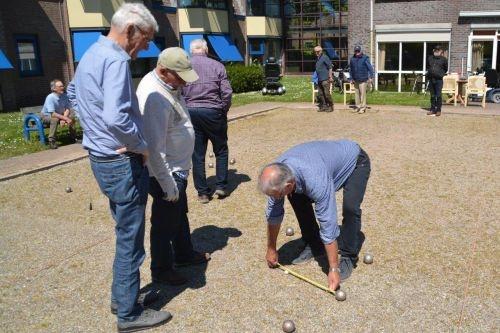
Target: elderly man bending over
x=311, y=173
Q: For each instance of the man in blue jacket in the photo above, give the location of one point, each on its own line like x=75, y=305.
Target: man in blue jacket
x=361, y=72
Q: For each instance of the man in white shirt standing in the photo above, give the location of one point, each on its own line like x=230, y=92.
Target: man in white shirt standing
x=170, y=137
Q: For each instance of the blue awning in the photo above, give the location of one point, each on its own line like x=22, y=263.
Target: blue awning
x=187, y=39
x=225, y=48
x=82, y=40
x=4, y=62
x=152, y=52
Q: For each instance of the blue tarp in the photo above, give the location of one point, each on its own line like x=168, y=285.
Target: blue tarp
x=4, y=62
x=187, y=39
x=82, y=40
x=224, y=48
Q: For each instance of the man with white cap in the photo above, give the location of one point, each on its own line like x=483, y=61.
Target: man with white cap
x=170, y=137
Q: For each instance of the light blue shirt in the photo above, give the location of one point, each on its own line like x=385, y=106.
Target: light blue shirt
x=103, y=96
x=55, y=103
x=320, y=168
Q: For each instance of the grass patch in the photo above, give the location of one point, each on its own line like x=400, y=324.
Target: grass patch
x=12, y=142
x=298, y=89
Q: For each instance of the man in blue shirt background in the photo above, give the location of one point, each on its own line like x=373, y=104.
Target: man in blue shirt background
x=361, y=72
x=103, y=96
x=311, y=173
x=325, y=79
x=57, y=110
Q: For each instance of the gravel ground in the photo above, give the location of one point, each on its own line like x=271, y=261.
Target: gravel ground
x=430, y=217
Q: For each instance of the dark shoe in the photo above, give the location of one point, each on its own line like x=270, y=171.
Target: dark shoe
x=305, y=256
x=196, y=259
x=204, y=199
x=221, y=194
x=431, y=113
x=170, y=277
x=53, y=145
x=329, y=109
x=144, y=299
x=149, y=318
x=346, y=267
x=438, y=113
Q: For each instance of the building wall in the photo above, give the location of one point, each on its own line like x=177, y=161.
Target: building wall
x=418, y=11
x=47, y=19
x=91, y=13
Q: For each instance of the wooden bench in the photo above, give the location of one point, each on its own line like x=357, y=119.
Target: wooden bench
x=32, y=122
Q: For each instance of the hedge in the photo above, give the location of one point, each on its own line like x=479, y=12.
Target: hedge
x=245, y=78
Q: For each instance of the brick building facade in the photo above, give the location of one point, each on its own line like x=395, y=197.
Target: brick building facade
x=40, y=28
x=460, y=26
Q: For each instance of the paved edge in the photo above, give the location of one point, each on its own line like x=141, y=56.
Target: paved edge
x=263, y=109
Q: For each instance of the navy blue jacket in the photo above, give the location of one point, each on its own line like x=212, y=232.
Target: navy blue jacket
x=360, y=68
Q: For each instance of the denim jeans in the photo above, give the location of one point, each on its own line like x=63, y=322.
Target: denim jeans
x=124, y=180
x=435, y=87
x=209, y=124
x=170, y=235
x=349, y=241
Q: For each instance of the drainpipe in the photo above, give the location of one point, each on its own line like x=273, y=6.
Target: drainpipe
x=371, y=30
x=67, y=44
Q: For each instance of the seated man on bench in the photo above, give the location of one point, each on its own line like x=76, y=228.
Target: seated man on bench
x=56, y=111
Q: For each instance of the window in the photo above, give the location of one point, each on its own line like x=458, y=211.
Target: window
x=28, y=55
x=263, y=8
x=388, y=57
x=482, y=56
x=412, y=57
x=214, y=4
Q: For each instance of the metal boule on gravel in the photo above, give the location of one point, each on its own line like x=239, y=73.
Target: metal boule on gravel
x=288, y=326
x=232, y=161
x=68, y=189
x=210, y=165
x=289, y=231
x=210, y=154
x=340, y=295
x=368, y=259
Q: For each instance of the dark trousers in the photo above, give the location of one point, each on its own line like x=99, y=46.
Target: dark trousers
x=209, y=124
x=324, y=96
x=170, y=235
x=435, y=87
x=349, y=241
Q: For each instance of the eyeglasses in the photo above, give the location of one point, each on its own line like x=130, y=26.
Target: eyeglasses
x=149, y=39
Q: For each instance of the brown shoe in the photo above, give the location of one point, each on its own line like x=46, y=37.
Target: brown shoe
x=431, y=113
x=170, y=277
x=53, y=144
x=203, y=198
x=438, y=113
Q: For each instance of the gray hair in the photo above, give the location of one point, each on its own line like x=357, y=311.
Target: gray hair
x=198, y=46
x=136, y=14
x=53, y=84
x=283, y=176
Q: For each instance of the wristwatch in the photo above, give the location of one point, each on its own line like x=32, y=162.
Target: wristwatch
x=335, y=269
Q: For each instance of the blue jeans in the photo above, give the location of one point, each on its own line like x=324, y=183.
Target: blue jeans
x=209, y=124
x=170, y=234
x=124, y=180
x=435, y=87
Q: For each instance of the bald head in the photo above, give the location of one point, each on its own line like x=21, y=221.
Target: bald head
x=318, y=49
x=276, y=180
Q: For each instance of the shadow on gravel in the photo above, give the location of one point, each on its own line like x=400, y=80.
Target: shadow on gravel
x=234, y=179
x=209, y=238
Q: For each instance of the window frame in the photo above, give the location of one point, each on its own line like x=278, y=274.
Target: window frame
x=33, y=39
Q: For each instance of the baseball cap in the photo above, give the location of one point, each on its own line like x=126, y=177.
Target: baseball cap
x=357, y=48
x=177, y=60
x=437, y=48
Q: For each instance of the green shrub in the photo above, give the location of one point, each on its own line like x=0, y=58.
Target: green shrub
x=245, y=78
